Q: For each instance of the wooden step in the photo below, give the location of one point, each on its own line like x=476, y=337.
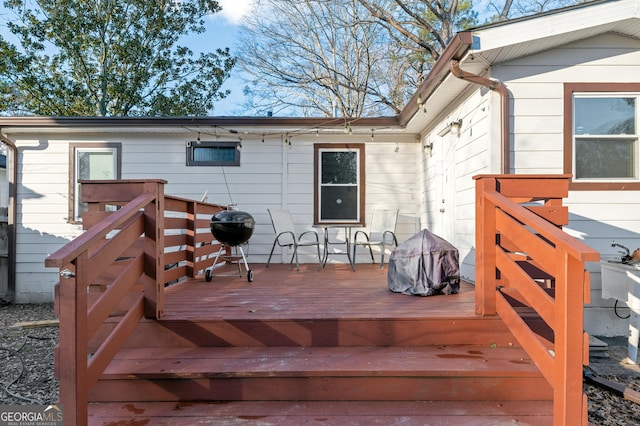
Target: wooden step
x=296, y=413
x=307, y=332
x=463, y=372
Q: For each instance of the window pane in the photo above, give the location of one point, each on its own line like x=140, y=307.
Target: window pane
x=91, y=164
x=605, y=158
x=339, y=167
x=339, y=203
x=96, y=165
x=208, y=153
x=218, y=153
x=605, y=116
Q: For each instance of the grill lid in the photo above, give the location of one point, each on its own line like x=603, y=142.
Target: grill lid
x=232, y=227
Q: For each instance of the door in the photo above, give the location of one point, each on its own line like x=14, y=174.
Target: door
x=448, y=181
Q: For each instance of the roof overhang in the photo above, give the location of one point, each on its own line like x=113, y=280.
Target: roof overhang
x=476, y=50
x=191, y=125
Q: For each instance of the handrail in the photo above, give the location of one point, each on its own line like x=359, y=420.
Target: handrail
x=511, y=241
x=70, y=251
x=123, y=261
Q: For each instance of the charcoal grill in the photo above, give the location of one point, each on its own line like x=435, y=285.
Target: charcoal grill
x=231, y=228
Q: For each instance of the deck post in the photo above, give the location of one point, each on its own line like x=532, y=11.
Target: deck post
x=485, y=248
x=568, y=400
x=192, y=243
x=154, y=251
x=73, y=341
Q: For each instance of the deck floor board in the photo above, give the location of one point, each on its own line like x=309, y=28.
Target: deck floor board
x=281, y=292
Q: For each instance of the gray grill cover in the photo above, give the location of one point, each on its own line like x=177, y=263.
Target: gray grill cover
x=424, y=265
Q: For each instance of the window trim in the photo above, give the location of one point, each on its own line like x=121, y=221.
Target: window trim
x=569, y=90
x=72, y=170
x=360, y=147
x=191, y=145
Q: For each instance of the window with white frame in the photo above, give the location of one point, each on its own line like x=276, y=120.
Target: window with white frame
x=339, y=174
x=601, y=136
x=91, y=162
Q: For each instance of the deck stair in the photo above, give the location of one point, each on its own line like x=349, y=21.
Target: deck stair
x=264, y=356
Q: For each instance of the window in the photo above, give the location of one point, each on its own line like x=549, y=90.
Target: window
x=601, y=136
x=339, y=183
x=90, y=162
x=201, y=153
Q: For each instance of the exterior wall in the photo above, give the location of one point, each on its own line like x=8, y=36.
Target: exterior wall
x=448, y=207
x=271, y=175
x=597, y=217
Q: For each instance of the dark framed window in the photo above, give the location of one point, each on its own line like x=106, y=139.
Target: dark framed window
x=208, y=153
x=601, y=148
x=339, y=183
x=90, y=161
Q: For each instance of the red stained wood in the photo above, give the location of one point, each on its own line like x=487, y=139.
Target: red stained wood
x=296, y=413
x=331, y=334
x=317, y=336
x=534, y=235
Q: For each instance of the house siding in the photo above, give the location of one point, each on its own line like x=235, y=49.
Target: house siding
x=597, y=217
x=271, y=175
x=472, y=153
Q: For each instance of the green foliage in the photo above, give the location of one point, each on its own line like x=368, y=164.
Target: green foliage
x=109, y=58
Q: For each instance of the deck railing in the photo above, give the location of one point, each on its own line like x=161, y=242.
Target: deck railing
x=137, y=241
x=532, y=274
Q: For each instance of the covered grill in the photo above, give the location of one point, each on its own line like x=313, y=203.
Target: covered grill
x=424, y=265
x=231, y=228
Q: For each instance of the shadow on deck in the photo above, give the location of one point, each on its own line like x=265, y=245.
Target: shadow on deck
x=319, y=347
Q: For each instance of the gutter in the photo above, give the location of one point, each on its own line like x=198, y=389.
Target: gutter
x=11, y=219
x=456, y=48
x=501, y=89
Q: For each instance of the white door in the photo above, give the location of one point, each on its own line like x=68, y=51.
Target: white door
x=448, y=181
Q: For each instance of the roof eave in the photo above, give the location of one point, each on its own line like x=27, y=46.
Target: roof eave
x=222, y=121
x=456, y=49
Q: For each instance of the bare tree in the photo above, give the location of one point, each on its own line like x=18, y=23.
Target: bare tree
x=354, y=57
x=423, y=27
x=320, y=57
x=497, y=11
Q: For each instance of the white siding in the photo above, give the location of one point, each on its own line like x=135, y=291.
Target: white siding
x=536, y=84
x=271, y=175
x=472, y=155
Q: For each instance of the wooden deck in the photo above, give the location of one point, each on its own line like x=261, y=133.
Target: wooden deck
x=326, y=346
x=319, y=347
x=281, y=292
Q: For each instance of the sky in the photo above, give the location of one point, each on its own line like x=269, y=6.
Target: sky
x=221, y=32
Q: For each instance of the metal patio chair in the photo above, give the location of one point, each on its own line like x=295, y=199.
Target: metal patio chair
x=381, y=233
x=287, y=236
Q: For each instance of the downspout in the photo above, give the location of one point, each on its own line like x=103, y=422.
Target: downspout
x=11, y=218
x=501, y=89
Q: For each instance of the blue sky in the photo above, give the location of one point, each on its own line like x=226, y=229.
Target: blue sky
x=221, y=32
